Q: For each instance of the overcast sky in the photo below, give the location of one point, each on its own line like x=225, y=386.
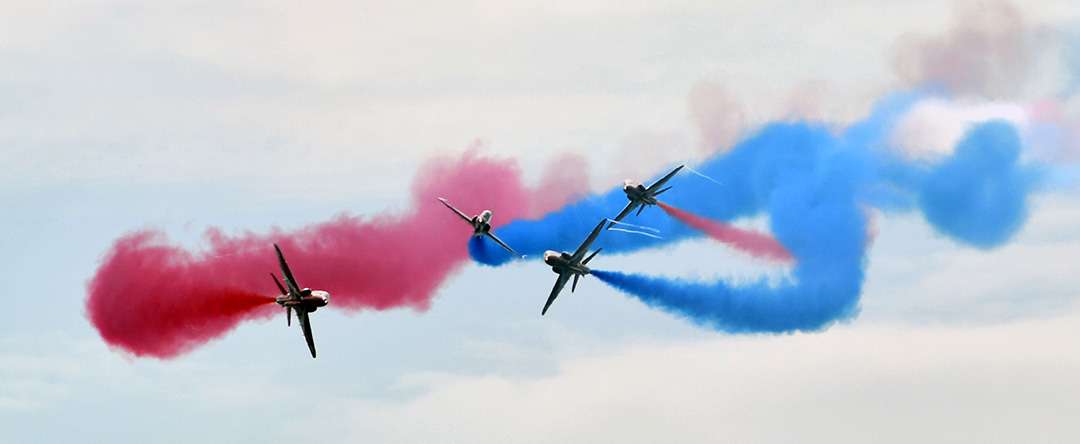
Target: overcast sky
x=116, y=116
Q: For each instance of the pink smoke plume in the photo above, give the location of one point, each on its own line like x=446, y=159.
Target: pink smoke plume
x=755, y=244
x=154, y=299
x=564, y=179
x=989, y=51
x=1055, y=133
x=717, y=115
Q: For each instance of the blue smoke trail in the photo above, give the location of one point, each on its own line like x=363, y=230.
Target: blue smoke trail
x=483, y=247
x=979, y=195
x=751, y=173
x=814, y=184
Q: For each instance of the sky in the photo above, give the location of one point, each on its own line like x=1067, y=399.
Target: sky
x=262, y=120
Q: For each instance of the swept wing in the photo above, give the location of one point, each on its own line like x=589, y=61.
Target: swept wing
x=629, y=209
x=564, y=277
x=660, y=183
x=459, y=213
x=500, y=242
x=584, y=248
x=305, y=323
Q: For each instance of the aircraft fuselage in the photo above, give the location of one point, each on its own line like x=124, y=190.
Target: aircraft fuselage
x=482, y=223
x=308, y=300
x=636, y=192
x=561, y=262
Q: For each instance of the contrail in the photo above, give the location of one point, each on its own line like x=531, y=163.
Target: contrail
x=702, y=175
x=152, y=298
x=636, y=232
x=640, y=227
x=815, y=185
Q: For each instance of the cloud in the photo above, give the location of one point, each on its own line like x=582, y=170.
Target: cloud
x=41, y=373
x=717, y=116
x=1000, y=383
x=933, y=127
x=936, y=281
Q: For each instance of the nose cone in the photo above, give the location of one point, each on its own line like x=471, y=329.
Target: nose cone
x=323, y=296
x=550, y=257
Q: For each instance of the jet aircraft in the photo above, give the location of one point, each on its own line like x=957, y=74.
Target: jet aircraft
x=640, y=196
x=566, y=265
x=481, y=224
x=303, y=301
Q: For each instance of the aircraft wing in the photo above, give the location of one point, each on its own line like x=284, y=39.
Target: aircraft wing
x=290, y=281
x=500, y=242
x=559, y=284
x=459, y=213
x=305, y=323
x=584, y=248
x=663, y=180
x=629, y=209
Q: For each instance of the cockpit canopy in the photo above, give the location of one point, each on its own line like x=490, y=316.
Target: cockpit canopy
x=321, y=295
x=485, y=216
x=549, y=255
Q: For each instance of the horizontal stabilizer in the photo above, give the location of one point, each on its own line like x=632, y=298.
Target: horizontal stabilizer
x=586, y=261
x=276, y=281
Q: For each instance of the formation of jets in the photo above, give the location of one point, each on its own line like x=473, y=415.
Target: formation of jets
x=566, y=265
x=574, y=265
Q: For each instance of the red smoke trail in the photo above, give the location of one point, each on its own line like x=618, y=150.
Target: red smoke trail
x=756, y=244
x=154, y=299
